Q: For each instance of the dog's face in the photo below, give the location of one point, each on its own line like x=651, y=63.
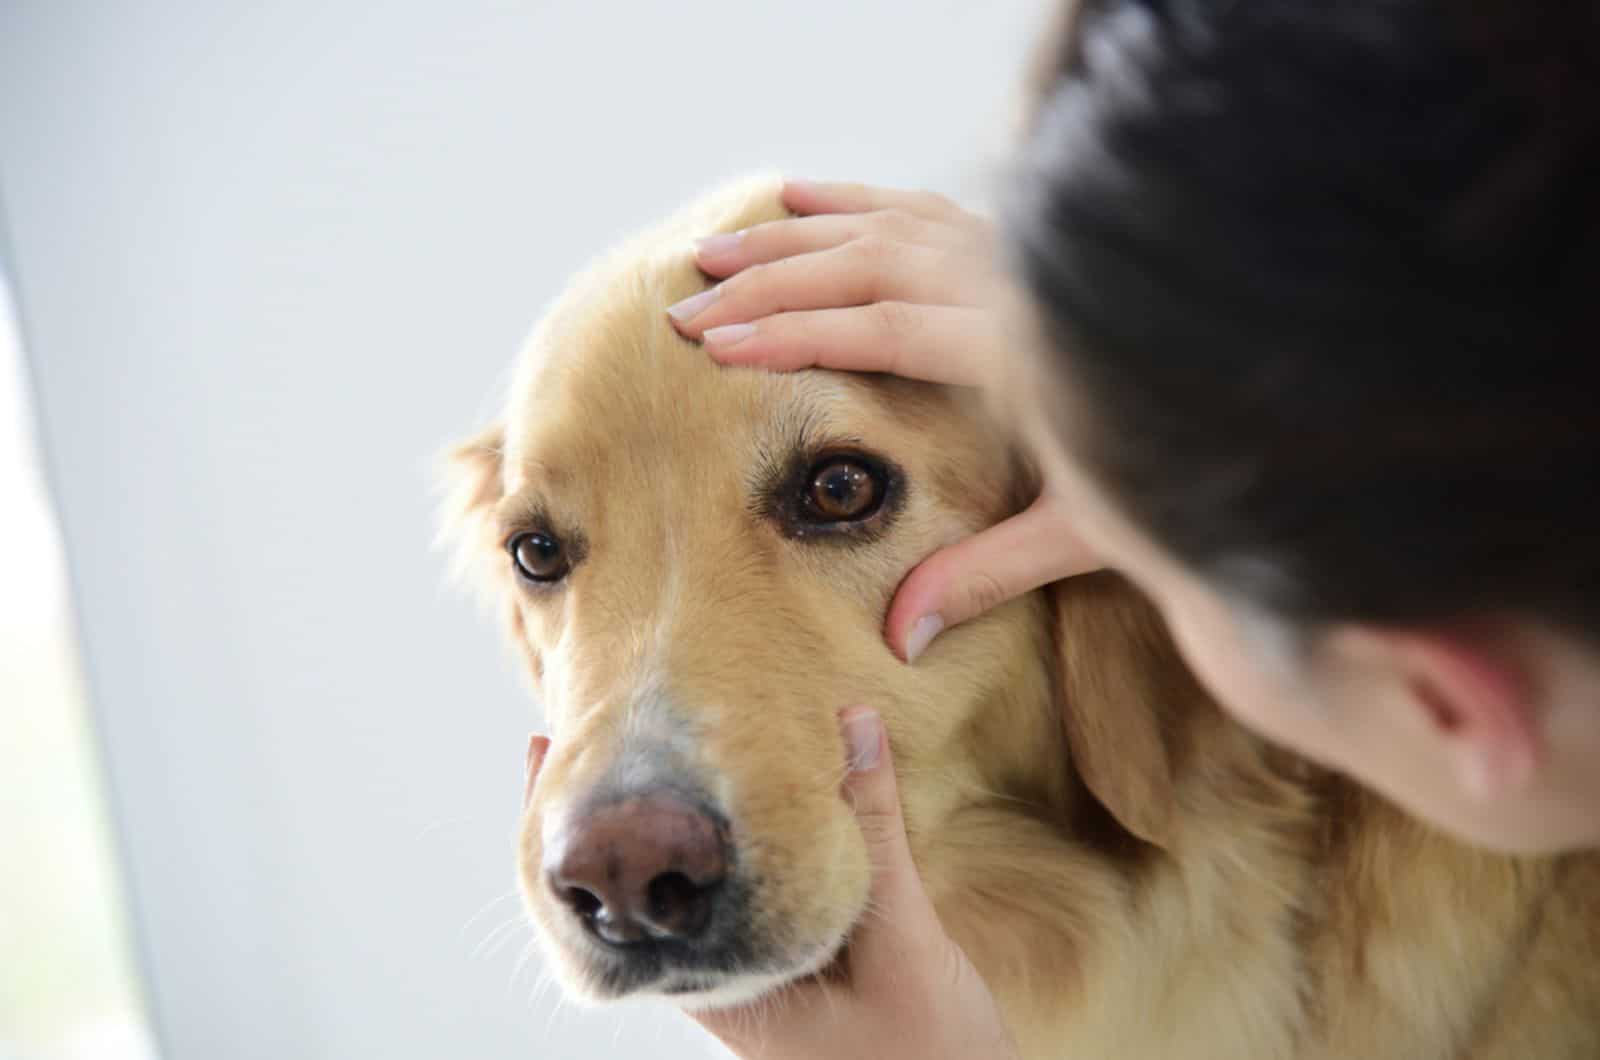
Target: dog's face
x=696, y=562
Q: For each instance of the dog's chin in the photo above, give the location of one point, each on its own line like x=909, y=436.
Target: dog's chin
x=702, y=989
x=732, y=991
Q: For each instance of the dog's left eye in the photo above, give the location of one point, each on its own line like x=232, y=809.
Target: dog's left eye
x=842, y=489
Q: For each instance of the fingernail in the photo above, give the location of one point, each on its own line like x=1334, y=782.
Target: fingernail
x=537, y=746
x=693, y=305
x=922, y=633
x=721, y=243
x=799, y=185
x=728, y=334
x=863, y=731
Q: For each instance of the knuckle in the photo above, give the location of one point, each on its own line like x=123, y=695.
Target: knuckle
x=743, y=283
x=879, y=828
x=982, y=593
x=765, y=234
x=895, y=220
x=896, y=321
x=875, y=263
x=871, y=248
x=935, y=204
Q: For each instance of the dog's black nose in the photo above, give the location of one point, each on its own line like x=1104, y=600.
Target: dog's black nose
x=647, y=867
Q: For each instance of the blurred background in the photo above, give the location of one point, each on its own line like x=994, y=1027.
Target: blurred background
x=259, y=762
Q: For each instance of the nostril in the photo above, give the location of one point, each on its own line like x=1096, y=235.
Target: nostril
x=670, y=892
x=677, y=906
x=585, y=903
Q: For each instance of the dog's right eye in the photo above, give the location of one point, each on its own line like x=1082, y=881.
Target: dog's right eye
x=843, y=489
x=539, y=557
x=839, y=494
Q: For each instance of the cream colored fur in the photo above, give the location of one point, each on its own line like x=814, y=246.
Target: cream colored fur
x=1135, y=875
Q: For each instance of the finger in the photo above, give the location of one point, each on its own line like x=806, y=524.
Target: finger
x=1033, y=548
x=728, y=252
x=896, y=940
x=901, y=928
x=813, y=197
x=538, y=747
x=863, y=270
x=941, y=344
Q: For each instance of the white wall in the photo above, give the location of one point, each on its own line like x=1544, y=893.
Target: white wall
x=271, y=256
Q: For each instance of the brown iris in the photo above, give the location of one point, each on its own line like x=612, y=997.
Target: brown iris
x=540, y=557
x=843, y=490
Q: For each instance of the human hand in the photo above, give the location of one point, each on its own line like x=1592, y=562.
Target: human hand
x=911, y=992
x=874, y=280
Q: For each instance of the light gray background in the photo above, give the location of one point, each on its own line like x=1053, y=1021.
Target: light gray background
x=271, y=257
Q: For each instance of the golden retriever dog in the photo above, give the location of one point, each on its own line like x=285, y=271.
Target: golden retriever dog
x=695, y=562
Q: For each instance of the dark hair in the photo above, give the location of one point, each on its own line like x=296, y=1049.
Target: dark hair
x=1323, y=279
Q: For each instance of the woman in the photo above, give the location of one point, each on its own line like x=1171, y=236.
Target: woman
x=1318, y=289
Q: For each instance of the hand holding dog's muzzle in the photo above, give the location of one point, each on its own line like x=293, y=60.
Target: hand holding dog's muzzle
x=911, y=991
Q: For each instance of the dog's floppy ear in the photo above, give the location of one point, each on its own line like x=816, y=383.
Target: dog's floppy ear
x=475, y=467
x=1122, y=683
x=473, y=482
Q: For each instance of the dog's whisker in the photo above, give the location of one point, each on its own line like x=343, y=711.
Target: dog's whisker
x=966, y=786
x=490, y=904
x=448, y=822
x=555, y=1010
x=542, y=984
x=833, y=775
x=494, y=938
x=522, y=962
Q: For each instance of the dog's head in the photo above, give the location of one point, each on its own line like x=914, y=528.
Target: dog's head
x=696, y=563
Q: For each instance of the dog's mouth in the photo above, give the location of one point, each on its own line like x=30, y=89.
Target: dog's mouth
x=702, y=981
x=733, y=962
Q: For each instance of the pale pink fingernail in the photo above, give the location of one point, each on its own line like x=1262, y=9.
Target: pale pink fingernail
x=694, y=305
x=537, y=747
x=719, y=244
x=922, y=633
x=728, y=334
x=863, y=731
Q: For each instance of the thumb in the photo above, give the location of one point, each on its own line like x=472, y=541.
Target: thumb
x=1033, y=548
x=895, y=935
x=901, y=924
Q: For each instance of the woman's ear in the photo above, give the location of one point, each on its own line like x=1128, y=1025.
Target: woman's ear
x=1471, y=693
x=1121, y=684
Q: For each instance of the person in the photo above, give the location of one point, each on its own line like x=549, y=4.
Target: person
x=1314, y=289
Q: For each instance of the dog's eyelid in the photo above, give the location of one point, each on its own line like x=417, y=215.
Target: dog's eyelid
x=781, y=496
x=520, y=513
x=507, y=531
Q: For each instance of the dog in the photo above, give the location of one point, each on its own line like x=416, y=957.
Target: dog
x=695, y=562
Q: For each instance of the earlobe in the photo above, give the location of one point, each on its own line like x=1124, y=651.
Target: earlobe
x=1474, y=693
